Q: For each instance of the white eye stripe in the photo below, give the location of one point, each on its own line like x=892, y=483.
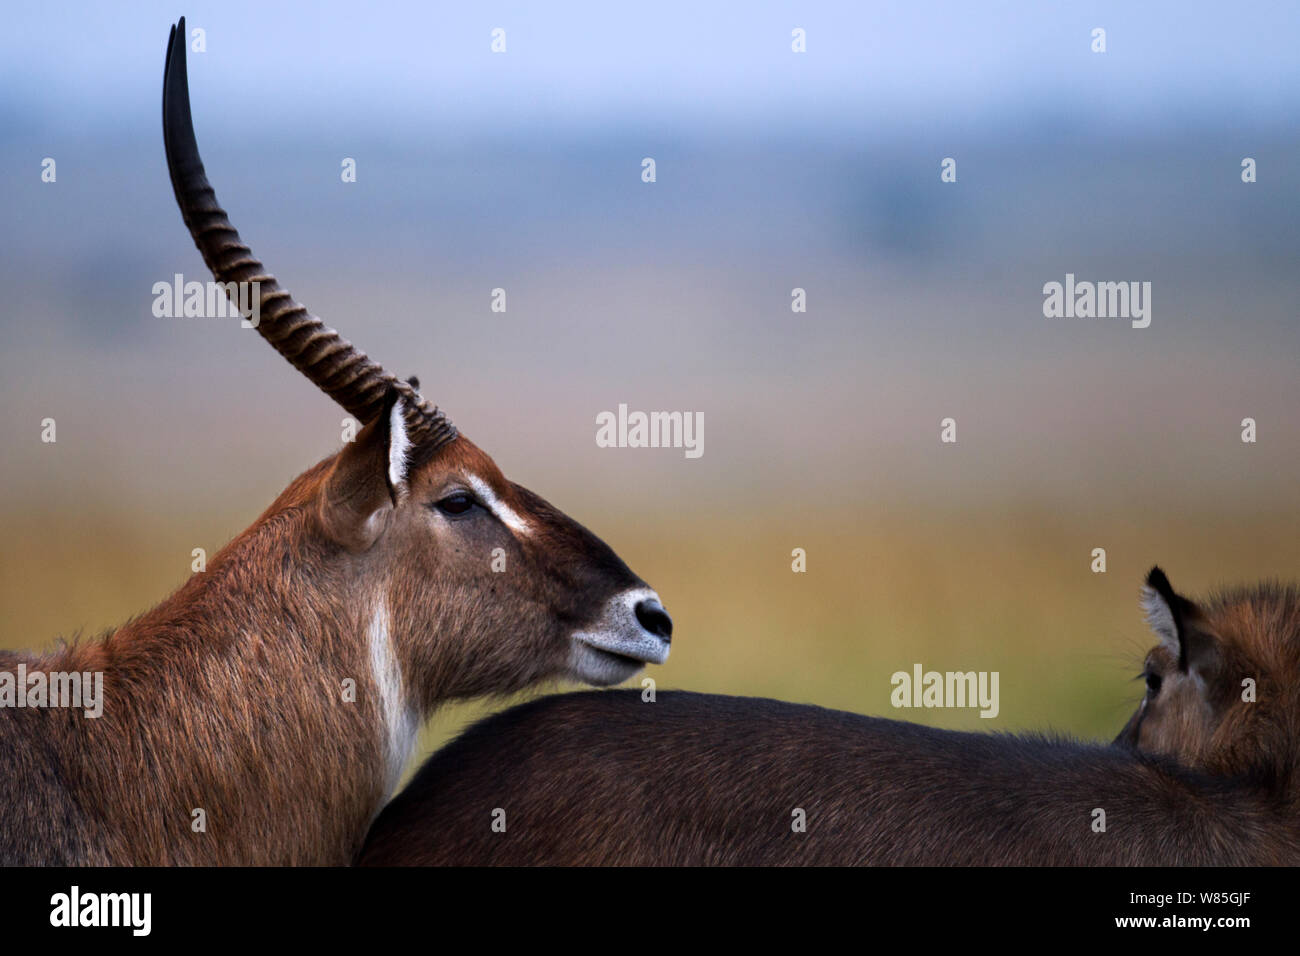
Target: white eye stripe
x=507, y=515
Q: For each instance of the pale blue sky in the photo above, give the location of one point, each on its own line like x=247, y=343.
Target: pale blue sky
x=593, y=62
x=776, y=170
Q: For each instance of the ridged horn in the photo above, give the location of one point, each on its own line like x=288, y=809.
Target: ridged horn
x=339, y=369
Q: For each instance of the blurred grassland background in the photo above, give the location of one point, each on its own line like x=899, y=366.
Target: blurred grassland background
x=775, y=170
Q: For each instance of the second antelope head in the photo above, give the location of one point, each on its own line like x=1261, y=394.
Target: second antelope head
x=470, y=583
x=1223, y=684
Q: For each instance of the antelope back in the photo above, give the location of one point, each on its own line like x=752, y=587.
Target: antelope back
x=695, y=780
x=1202, y=774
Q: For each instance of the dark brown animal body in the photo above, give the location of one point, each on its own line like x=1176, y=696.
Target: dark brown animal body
x=602, y=778
x=1200, y=776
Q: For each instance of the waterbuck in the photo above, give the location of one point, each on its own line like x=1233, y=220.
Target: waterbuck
x=1204, y=773
x=264, y=712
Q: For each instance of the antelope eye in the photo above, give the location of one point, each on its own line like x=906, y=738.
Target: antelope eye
x=456, y=504
x=1153, y=683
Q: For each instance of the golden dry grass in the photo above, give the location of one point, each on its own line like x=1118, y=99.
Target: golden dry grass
x=994, y=588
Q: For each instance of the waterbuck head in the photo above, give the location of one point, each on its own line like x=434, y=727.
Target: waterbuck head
x=477, y=584
x=1223, y=684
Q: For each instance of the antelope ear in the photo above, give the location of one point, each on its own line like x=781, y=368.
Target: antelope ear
x=1179, y=623
x=368, y=479
x=399, y=444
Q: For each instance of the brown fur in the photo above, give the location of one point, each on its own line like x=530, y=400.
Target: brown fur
x=1199, y=716
x=227, y=696
x=607, y=779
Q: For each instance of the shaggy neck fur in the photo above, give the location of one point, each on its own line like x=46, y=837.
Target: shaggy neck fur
x=226, y=735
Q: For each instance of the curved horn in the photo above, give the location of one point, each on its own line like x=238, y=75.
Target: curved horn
x=337, y=367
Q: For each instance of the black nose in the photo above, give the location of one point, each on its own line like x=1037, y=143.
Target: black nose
x=655, y=619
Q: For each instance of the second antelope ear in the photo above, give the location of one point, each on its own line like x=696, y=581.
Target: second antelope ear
x=1179, y=623
x=368, y=479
